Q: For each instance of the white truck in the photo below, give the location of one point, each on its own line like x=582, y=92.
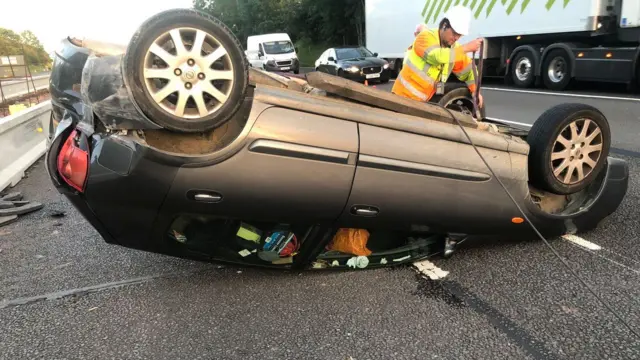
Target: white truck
x=272, y=52
x=527, y=42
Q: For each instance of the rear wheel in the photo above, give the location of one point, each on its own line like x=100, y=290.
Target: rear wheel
x=569, y=145
x=556, y=70
x=186, y=71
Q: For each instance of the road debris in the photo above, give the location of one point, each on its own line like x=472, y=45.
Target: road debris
x=6, y=220
x=12, y=205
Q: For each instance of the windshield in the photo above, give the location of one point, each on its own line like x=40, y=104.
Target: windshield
x=278, y=47
x=353, y=53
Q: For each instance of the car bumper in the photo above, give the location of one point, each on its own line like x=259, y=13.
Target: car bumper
x=602, y=198
x=385, y=75
x=294, y=66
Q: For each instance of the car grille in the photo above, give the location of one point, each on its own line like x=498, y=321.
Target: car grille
x=283, y=63
x=371, y=69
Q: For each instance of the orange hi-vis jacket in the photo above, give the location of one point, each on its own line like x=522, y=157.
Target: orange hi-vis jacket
x=426, y=61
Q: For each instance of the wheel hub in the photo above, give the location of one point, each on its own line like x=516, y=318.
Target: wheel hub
x=190, y=74
x=576, y=151
x=523, y=69
x=556, y=70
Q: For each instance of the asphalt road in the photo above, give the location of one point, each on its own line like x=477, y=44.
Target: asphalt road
x=506, y=299
x=14, y=88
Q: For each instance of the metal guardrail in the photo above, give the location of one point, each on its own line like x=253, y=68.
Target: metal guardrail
x=23, y=140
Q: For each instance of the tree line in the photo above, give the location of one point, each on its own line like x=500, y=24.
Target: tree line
x=321, y=22
x=12, y=43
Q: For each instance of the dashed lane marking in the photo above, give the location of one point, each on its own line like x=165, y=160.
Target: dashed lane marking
x=429, y=269
x=582, y=242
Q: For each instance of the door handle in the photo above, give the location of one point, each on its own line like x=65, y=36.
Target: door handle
x=207, y=197
x=204, y=196
x=365, y=210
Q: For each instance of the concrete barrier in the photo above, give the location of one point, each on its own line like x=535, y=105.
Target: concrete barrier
x=23, y=140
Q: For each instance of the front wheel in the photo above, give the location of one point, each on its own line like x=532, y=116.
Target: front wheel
x=186, y=70
x=522, y=72
x=569, y=145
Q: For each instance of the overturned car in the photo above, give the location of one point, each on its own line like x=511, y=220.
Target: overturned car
x=173, y=145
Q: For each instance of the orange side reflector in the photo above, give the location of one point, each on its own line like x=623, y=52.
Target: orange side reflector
x=517, y=220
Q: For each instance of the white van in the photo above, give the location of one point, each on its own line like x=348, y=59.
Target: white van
x=272, y=52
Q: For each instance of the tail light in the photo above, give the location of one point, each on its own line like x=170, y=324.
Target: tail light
x=73, y=162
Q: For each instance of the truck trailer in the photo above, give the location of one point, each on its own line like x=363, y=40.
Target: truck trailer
x=527, y=42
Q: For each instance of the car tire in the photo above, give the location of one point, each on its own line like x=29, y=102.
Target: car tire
x=208, y=92
x=458, y=98
x=556, y=70
x=561, y=131
x=523, y=71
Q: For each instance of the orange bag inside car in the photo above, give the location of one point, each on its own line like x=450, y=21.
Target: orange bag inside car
x=351, y=241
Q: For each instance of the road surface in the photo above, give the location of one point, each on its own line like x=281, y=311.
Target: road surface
x=499, y=300
x=14, y=88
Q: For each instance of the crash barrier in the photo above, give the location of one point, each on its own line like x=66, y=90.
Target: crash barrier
x=23, y=140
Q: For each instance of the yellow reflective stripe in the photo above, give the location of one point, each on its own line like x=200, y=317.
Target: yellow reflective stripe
x=449, y=66
x=428, y=50
x=412, y=89
x=421, y=73
x=422, y=66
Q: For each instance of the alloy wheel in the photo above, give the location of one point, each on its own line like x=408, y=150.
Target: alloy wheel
x=576, y=151
x=188, y=73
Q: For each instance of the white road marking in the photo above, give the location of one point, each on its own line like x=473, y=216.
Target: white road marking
x=582, y=242
x=510, y=122
x=563, y=94
x=430, y=269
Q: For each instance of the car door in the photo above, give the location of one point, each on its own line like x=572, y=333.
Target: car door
x=323, y=61
x=291, y=167
x=332, y=66
x=411, y=181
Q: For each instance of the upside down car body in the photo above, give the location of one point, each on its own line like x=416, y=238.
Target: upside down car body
x=173, y=146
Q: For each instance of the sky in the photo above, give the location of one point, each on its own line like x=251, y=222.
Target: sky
x=106, y=20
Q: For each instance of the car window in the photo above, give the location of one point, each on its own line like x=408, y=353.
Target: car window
x=353, y=53
x=278, y=47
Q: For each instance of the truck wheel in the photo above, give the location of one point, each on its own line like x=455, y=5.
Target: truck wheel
x=186, y=70
x=569, y=145
x=522, y=72
x=458, y=98
x=556, y=70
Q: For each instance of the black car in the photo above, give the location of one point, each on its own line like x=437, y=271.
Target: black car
x=355, y=63
x=169, y=146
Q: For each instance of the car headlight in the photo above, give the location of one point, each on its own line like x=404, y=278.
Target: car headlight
x=353, y=69
x=386, y=66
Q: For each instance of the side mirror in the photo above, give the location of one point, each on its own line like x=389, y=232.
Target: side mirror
x=296, y=49
x=331, y=58
x=375, y=54
x=260, y=53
